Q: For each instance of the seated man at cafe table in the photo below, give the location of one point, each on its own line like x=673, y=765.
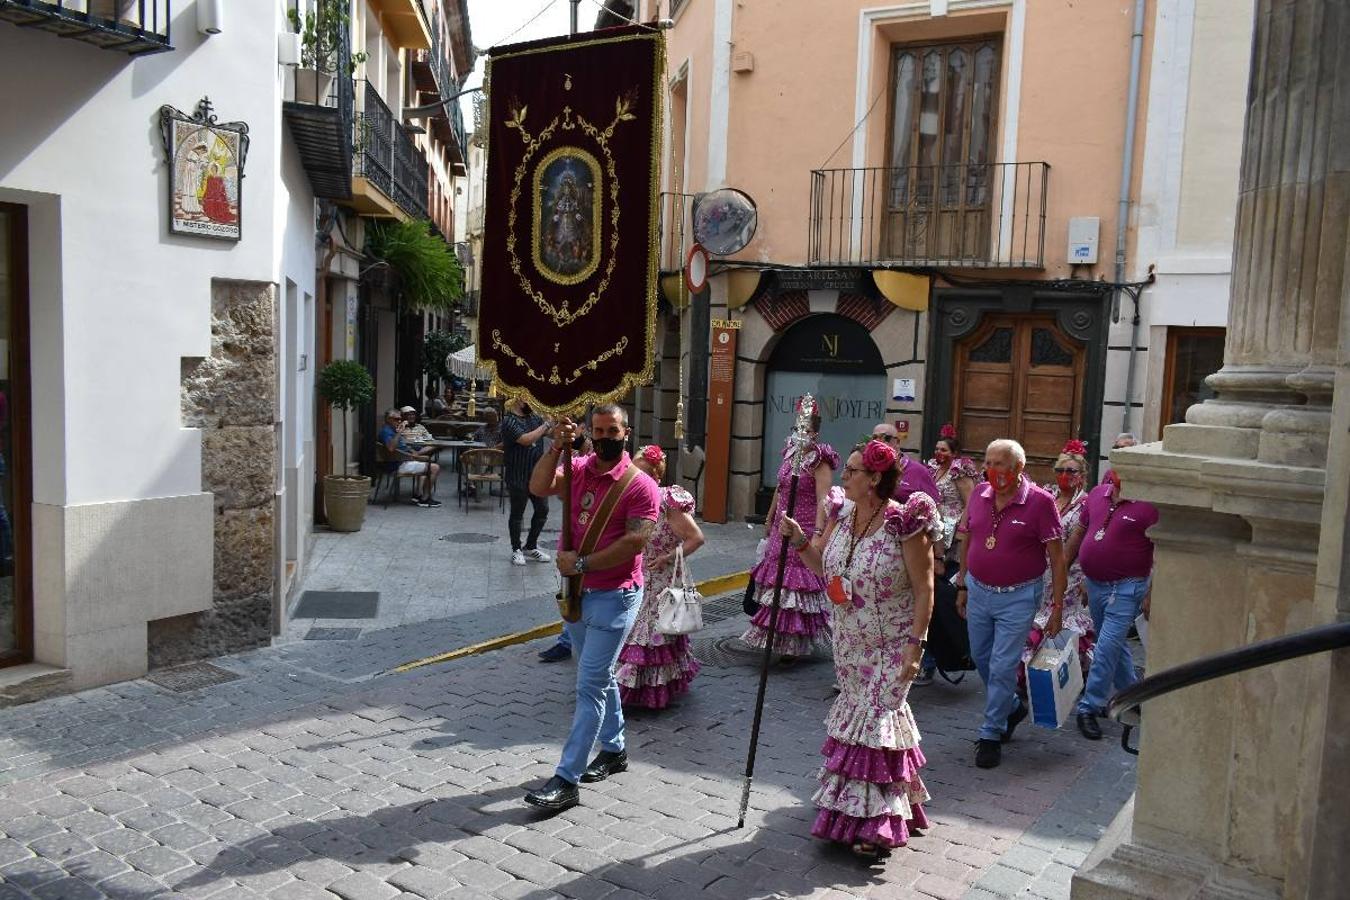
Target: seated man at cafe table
x=489, y=434
x=410, y=462
x=412, y=429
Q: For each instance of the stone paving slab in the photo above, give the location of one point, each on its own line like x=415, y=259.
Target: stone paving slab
x=307, y=778
x=399, y=552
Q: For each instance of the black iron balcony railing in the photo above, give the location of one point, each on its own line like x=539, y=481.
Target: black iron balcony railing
x=387, y=157
x=468, y=304
x=321, y=111
x=134, y=27
x=975, y=216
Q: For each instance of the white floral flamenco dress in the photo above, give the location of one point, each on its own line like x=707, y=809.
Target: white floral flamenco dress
x=870, y=790
x=653, y=667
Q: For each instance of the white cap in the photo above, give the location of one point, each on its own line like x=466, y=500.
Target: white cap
x=407, y=409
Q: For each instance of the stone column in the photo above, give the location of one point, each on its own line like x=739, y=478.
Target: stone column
x=1289, y=266
x=1237, y=776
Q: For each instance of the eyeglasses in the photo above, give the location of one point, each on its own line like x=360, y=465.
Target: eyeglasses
x=849, y=470
x=1067, y=472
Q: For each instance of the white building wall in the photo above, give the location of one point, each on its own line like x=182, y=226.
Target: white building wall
x=1188, y=196
x=118, y=304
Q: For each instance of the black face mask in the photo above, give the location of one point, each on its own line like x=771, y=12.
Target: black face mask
x=608, y=449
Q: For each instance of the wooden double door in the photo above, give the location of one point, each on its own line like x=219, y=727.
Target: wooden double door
x=1020, y=377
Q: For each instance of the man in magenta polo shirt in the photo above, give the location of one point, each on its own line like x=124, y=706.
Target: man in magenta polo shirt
x=611, y=593
x=914, y=476
x=1012, y=533
x=1116, y=554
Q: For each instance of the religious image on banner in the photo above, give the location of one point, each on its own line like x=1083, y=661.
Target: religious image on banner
x=571, y=221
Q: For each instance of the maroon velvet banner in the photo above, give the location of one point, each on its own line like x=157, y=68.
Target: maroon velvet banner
x=568, y=312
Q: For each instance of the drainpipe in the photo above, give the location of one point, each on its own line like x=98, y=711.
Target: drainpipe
x=1123, y=213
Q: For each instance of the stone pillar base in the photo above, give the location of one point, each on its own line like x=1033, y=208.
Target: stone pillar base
x=1119, y=869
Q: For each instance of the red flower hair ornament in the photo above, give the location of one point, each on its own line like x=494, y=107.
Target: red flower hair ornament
x=947, y=431
x=653, y=454
x=1075, y=447
x=878, y=456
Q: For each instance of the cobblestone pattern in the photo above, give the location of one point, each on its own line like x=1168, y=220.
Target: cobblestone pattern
x=410, y=786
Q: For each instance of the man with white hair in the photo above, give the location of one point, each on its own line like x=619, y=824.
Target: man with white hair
x=1013, y=532
x=1124, y=439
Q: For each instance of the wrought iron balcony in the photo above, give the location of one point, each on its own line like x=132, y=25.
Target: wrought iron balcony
x=468, y=304
x=321, y=111
x=989, y=216
x=431, y=76
x=387, y=158
x=134, y=27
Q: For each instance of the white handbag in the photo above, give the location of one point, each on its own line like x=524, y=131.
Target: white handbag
x=679, y=609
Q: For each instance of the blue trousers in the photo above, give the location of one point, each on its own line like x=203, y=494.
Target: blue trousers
x=606, y=619
x=1114, y=607
x=998, y=625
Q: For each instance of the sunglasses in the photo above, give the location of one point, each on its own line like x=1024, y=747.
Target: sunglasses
x=1067, y=472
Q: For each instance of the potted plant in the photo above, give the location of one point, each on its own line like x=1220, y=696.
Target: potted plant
x=321, y=39
x=426, y=274
x=345, y=384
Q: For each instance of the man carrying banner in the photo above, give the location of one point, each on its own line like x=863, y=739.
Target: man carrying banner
x=614, y=510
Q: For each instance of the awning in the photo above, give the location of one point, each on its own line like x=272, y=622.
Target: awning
x=464, y=364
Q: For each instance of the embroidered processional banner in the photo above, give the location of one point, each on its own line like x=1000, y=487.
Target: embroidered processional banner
x=571, y=228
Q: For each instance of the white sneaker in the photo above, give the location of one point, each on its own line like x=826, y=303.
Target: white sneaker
x=517, y=558
x=537, y=555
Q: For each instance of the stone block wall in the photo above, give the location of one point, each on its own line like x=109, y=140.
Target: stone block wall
x=231, y=396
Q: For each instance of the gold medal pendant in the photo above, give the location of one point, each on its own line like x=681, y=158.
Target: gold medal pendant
x=1100, y=535
x=990, y=542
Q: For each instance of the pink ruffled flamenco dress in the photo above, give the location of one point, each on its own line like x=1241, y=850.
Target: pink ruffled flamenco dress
x=803, y=608
x=654, y=668
x=870, y=788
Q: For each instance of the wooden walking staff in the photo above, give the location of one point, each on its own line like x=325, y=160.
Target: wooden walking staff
x=799, y=439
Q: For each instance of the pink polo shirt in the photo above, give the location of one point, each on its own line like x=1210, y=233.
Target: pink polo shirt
x=1026, y=525
x=642, y=500
x=1125, y=550
x=916, y=477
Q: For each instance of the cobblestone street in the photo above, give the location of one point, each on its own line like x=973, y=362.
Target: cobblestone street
x=311, y=774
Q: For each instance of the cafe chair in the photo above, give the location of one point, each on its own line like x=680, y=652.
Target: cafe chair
x=483, y=467
x=387, y=474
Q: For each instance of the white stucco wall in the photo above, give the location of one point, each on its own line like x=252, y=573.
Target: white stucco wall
x=84, y=132
x=1188, y=193
x=117, y=303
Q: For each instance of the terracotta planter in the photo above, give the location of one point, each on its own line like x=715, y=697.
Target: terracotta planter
x=344, y=500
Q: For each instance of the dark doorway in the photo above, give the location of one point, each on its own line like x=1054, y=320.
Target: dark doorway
x=16, y=591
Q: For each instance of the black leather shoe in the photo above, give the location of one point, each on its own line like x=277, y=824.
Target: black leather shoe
x=988, y=753
x=1087, y=724
x=556, y=653
x=556, y=795
x=1014, y=719
x=605, y=764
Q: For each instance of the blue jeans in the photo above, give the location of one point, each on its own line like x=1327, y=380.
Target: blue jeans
x=564, y=639
x=1114, y=607
x=998, y=625
x=606, y=619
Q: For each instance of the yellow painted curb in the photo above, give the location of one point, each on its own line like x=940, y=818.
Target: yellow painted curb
x=709, y=588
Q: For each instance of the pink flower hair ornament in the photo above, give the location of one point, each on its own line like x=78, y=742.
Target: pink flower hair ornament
x=878, y=456
x=653, y=454
x=947, y=431
x=1075, y=447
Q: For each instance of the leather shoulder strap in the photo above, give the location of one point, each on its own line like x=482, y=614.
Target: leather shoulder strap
x=606, y=509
